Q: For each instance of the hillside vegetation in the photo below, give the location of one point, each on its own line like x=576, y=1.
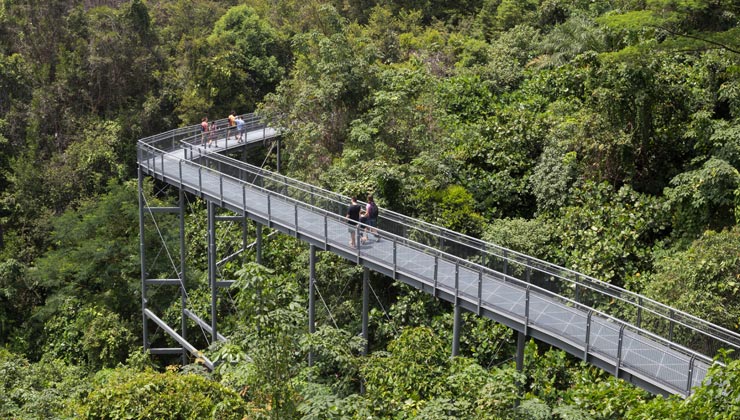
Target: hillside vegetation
x=600, y=135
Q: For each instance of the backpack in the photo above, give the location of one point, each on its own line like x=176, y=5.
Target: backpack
x=373, y=213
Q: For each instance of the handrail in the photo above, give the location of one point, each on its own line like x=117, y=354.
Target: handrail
x=577, y=286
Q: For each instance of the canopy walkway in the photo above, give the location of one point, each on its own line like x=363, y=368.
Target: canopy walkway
x=633, y=337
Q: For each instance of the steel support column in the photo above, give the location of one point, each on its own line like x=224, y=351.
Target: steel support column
x=212, y=266
x=521, y=341
x=365, y=309
x=258, y=240
x=278, y=155
x=311, y=299
x=245, y=233
x=142, y=254
x=365, y=316
x=456, y=326
x=183, y=292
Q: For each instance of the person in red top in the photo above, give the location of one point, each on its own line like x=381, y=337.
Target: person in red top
x=203, y=131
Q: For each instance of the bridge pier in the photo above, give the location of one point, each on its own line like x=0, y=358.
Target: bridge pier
x=365, y=309
x=456, y=326
x=278, y=155
x=212, y=267
x=311, y=299
x=521, y=341
x=142, y=255
x=258, y=243
x=183, y=293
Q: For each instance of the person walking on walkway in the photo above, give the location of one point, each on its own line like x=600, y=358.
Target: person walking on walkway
x=370, y=218
x=203, y=131
x=353, y=216
x=212, y=135
x=232, y=126
x=240, y=126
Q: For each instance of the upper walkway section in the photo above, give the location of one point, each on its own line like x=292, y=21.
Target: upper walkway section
x=652, y=345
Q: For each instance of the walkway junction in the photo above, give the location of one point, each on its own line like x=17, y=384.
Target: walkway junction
x=649, y=344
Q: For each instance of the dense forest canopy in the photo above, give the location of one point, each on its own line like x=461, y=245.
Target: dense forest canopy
x=600, y=135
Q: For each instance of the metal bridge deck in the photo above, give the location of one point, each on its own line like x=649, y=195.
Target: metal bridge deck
x=622, y=349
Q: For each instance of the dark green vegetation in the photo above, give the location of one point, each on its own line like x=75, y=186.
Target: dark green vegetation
x=600, y=135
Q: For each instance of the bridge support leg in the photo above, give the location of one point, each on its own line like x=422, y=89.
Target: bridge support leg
x=365, y=309
x=258, y=243
x=365, y=316
x=212, y=266
x=456, y=326
x=311, y=299
x=142, y=257
x=183, y=293
x=521, y=341
x=245, y=235
x=278, y=155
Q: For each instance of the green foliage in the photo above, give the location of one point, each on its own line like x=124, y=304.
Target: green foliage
x=95, y=254
x=412, y=369
x=39, y=390
x=88, y=336
x=453, y=208
x=601, y=397
x=606, y=233
x=703, y=279
x=245, y=61
x=536, y=237
x=335, y=358
x=704, y=198
x=122, y=394
x=576, y=131
x=716, y=399
x=267, y=341
x=17, y=300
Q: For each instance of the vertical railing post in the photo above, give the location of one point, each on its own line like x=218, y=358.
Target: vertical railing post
x=269, y=209
x=671, y=314
x=619, y=350
x=526, y=310
x=244, y=198
x=436, y=274
x=480, y=290
x=395, y=258
x=326, y=231
x=639, y=311
x=587, y=343
x=457, y=280
x=690, y=375
x=357, y=241
x=295, y=218
x=505, y=268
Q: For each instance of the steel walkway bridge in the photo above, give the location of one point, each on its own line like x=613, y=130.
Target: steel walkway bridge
x=649, y=344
